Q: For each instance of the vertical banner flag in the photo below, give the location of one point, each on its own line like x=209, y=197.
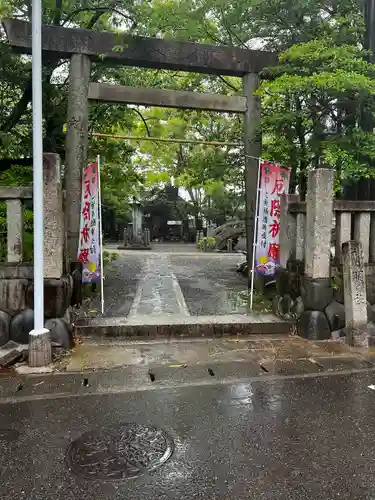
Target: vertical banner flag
x=89, y=250
x=274, y=181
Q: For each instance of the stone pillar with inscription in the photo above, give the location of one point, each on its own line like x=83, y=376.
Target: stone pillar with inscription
x=316, y=288
x=16, y=282
x=76, y=147
x=355, y=300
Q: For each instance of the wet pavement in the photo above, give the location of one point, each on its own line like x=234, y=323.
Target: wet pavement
x=104, y=354
x=265, y=418
x=171, y=280
x=278, y=438
x=176, y=291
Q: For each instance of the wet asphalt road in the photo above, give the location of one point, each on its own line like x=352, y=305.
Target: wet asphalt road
x=275, y=439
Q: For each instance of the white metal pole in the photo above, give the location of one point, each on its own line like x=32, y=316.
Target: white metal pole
x=37, y=166
x=100, y=237
x=255, y=236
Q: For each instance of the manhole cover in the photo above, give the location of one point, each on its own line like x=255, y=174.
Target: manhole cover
x=9, y=435
x=121, y=452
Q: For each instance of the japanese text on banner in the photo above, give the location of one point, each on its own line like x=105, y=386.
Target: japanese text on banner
x=89, y=241
x=274, y=181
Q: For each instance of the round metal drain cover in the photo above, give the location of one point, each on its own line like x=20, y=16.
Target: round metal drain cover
x=120, y=452
x=9, y=435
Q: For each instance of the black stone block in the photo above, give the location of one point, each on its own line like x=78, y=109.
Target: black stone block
x=285, y=304
x=57, y=296
x=282, y=281
x=59, y=332
x=335, y=313
x=21, y=326
x=4, y=327
x=298, y=307
x=313, y=325
x=316, y=293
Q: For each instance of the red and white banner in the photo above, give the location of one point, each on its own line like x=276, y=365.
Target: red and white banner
x=274, y=181
x=89, y=251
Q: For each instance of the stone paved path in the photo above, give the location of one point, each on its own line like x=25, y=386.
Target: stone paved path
x=159, y=292
x=171, y=280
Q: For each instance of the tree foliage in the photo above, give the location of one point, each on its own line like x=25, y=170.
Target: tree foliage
x=317, y=103
x=312, y=118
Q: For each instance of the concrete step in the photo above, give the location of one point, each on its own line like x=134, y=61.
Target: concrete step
x=183, y=326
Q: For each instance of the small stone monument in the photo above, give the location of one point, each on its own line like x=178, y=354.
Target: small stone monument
x=139, y=239
x=355, y=300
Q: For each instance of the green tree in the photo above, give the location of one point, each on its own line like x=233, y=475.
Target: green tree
x=313, y=117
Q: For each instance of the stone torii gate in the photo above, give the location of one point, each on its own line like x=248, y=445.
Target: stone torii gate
x=81, y=46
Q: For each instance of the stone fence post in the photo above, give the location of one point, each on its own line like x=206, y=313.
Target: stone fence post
x=15, y=230
x=319, y=205
x=317, y=291
x=355, y=300
x=53, y=217
x=287, y=230
x=316, y=288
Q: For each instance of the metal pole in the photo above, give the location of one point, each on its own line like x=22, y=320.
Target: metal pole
x=40, y=353
x=255, y=237
x=37, y=165
x=100, y=237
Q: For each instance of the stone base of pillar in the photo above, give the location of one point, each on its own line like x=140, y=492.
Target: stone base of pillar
x=134, y=247
x=357, y=337
x=316, y=293
x=40, y=350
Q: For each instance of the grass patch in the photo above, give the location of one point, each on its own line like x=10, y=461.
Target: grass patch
x=261, y=304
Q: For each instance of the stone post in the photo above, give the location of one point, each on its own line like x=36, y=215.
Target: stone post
x=15, y=230
x=76, y=147
x=319, y=202
x=316, y=289
x=372, y=237
x=53, y=217
x=146, y=233
x=252, y=145
x=230, y=245
x=126, y=237
x=300, y=236
x=362, y=232
x=287, y=230
x=343, y=230
x=40, y=349
x=137, y=222
x=355, y=299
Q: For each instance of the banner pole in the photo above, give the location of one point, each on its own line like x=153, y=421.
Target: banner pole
x=255, y=236
x=100, y=238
